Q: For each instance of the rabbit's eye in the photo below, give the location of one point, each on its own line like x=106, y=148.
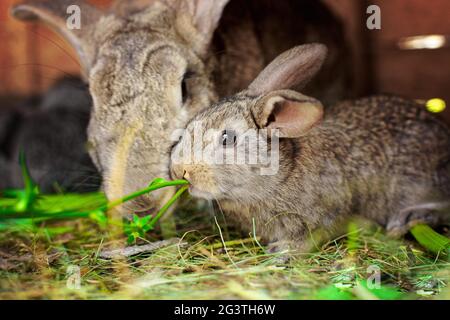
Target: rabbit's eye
x=184, y=86
x=184, y=93
x=228, y=138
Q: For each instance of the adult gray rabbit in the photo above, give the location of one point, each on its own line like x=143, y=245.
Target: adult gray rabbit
x=382, y=157
x=153, y=64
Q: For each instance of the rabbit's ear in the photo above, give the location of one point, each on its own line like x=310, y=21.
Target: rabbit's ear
x=292, y=113
x=57, y=15
x=205, y=16
x=292, y=69
x=126, y=7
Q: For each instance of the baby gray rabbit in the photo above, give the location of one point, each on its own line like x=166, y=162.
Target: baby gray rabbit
x=381, y=157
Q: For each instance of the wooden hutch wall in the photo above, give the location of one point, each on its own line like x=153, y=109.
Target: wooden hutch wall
x=31, y=55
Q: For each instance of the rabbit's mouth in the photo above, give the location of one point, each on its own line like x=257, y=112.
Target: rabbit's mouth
x=138, y=207
x=149, y=211
x=148, y=204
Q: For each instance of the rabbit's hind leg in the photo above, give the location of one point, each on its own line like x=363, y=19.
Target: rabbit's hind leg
x=431, y=213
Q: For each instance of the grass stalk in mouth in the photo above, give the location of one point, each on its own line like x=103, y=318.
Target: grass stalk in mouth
x=30, y=205
x=158, y=183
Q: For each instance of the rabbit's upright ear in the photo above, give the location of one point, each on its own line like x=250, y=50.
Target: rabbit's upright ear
x=57, y=14
x=292, y=113
x=126, y=7
x=292, y=69
x=204, y=15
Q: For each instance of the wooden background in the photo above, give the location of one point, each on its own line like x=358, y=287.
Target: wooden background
x=382, y=68
x=32, y=57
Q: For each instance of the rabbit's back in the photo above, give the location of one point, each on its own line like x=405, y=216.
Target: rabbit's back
x=52, y=134
x=394, y=153
x=395, y=128
x=54, y=143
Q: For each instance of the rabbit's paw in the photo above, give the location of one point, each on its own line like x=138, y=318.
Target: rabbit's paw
x=280, y=250
x=430, y=213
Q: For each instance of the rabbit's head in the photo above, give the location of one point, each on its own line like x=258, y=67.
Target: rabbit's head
x=227, y=151
x=149, y=73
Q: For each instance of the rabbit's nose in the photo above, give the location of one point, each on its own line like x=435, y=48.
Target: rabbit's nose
x=186, y=175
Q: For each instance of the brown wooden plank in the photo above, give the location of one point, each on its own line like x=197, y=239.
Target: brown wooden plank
x=33, y=56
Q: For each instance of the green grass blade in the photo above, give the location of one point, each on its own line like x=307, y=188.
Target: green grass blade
x=167, y=206
x=31, y=190
x=430, y=239
x=158, y=183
